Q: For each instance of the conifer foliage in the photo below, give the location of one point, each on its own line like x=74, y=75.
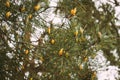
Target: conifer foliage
x=60, y=52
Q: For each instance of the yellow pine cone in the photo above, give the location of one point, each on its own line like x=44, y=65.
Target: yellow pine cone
x=30, y=16
x=76, y=33
x=8, y=14
x=22, y=9
x=26, y=51
x=66, y=54
x=37, y=7
x=94, y=74
x=73, y=11
x=31, y=78
x=69, y=75
x=99, y=34
x=41, y=58
x=52, y=41
x=7, y=4
x=81, y=30
x=80, y=67
x=85, y=59
x=49, y=30
x=61, y=52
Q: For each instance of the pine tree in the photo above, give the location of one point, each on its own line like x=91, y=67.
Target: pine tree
x=61, y=52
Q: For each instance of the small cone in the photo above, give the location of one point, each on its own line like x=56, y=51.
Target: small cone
x=41, y=58
x=81, y=67
x=26, y=51
x=22, y=9
x=85, y=59
x=81, y=30
x=66, y=54
x=52, y=41
x=7, y=4
x=30, y=16
x=76, y=33
x=61, y=52
x=73, y=11
x=48, y=30
x=37, y=7
x=94, y=74
x=99, y=35
x=8, y=14
x=31, y=78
